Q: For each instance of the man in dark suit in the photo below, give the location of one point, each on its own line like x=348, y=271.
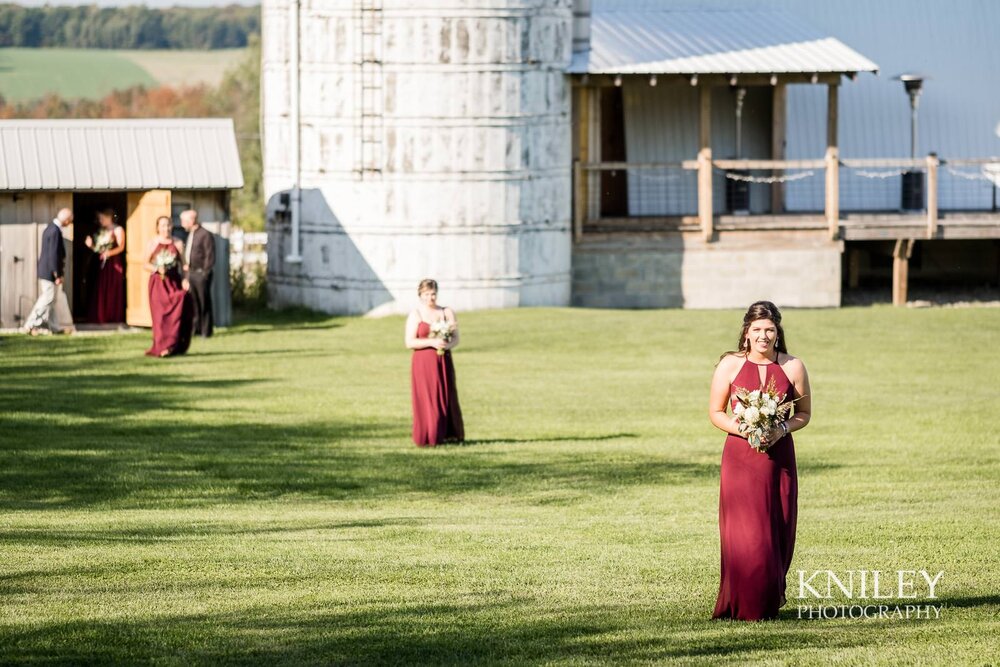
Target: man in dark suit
x=199, y=260
x=51, y=267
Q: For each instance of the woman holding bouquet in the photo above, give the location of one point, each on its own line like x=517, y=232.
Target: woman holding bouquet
x=432, y=332
x=169, y=304
x=107, y=302
x=757, y=501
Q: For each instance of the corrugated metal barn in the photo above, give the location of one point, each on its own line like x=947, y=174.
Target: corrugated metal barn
x=627, y=153
x=141, y=169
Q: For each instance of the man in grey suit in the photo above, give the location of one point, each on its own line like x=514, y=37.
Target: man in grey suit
x=51, y=267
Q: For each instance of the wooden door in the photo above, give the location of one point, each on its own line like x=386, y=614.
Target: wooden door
x=19, y=246
x=143, y=210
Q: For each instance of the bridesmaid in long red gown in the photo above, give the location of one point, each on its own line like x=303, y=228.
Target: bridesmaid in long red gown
x=758, y=490
x=437, y=417
x=169, y=304
x=107, y=304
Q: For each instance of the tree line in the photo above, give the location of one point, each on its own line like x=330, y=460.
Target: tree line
x=131, y=27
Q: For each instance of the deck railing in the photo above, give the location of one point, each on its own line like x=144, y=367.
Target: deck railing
x=711, y=195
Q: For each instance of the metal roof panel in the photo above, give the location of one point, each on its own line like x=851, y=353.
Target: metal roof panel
x=692, y=41
x=133, y=154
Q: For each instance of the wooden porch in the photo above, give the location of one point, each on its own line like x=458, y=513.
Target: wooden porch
x=924, y=198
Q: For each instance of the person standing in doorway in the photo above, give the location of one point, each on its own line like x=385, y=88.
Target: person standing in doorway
x=51, y=267
x=199, y=259
x=107, y=301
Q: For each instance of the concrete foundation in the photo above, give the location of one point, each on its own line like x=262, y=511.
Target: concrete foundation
x=682, y=271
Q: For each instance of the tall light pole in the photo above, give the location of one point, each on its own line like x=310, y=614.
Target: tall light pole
x=737, y=185
x=913, y=181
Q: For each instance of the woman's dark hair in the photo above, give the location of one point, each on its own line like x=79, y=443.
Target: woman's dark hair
x=427, y=284
x=109, y=213
x=164, y=217
x=760, y=310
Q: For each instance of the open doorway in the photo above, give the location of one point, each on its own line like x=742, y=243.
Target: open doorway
x=614, y=184
x=86, y=264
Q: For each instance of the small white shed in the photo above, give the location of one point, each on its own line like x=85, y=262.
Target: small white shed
x=141, y=168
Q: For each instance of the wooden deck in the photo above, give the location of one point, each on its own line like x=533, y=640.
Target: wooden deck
x=885, y=226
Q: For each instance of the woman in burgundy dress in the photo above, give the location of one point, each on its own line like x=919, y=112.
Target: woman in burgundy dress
x=169, y=303
x=437, y=416
x=757, y=501
x=107, y=302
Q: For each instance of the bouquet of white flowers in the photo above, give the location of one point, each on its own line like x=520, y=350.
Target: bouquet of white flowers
x=103, y=240
x=444, y=330
x=759, y=411
x=163, y=261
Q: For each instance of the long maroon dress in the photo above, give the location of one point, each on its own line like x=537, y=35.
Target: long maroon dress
x=437, y=416
x=757, y=510
x=107, y=303
x=170, y=308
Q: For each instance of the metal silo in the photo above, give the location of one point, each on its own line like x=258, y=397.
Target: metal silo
x=406, y=139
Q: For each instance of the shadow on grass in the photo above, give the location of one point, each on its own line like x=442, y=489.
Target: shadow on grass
x=128, y=434
x=289, y=319
x=291, y=352
x=428, y=633
x=972, y=601
x=560, y=438
x=198, y=465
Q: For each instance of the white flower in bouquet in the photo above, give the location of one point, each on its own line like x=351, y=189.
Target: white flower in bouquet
x=103, y=240
x=163, y=261
x=758, y=412
x=444, y=330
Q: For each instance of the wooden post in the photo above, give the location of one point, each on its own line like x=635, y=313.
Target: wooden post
x=779, y=115
x=705, y=161
x=580, y=175
x=932, y=195
x=832, y=163
x=900, y=270
x=580, y=200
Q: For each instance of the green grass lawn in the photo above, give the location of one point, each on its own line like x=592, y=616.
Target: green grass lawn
x=259, y=501
x=91, y=73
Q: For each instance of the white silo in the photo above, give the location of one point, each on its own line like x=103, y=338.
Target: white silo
x=433, y=140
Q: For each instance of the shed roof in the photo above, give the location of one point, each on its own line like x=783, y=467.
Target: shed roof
x=134, y=154
x=693, y=41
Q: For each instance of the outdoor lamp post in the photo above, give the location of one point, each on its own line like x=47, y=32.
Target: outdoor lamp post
x=737, y=185
x=913, y=181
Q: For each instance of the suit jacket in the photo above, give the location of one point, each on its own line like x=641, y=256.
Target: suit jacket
x=202, y=251
x=52, y=259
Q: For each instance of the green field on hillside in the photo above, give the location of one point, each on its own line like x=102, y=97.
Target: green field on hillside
x=30, y=73
x=259, y=501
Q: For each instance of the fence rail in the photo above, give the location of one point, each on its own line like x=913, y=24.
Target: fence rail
x=704, y=191
x=247, y=248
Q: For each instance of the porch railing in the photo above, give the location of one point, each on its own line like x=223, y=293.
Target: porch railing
x=709, y=195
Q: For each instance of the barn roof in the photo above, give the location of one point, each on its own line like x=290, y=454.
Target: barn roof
x=694, y=41
x=134, y=154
